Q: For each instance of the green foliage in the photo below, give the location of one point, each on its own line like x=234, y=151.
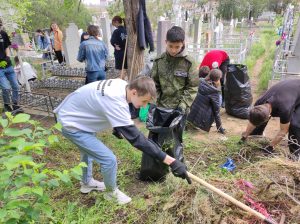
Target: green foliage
x=256, y=51
x=116, y=8
x=229, y=9
x=38, y=14
x=155, y=9
x=24, y=181
x=268, y=40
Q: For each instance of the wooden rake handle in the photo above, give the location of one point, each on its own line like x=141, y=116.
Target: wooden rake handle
x=229, y=198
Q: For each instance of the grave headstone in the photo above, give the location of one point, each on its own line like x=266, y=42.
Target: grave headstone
x=198, y=30
x=106, y=33
x=162, y=29
x=71, y=44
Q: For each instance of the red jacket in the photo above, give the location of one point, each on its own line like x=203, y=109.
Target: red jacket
x=212, y=56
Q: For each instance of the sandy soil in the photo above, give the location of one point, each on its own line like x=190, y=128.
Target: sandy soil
x=235, y=126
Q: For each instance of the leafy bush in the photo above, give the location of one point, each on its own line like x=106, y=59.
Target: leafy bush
x=24, y=181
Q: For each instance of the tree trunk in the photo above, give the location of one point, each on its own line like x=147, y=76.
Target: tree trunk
x=135, y=56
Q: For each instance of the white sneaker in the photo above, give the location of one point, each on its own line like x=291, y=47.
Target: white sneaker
x=117, y=195
x=92, y=185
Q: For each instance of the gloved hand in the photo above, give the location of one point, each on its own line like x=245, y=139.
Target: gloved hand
x=242, y=140
x=179, y=170
x=269, y=149
x=221, y=130
x=117, y=134
x=3, y=64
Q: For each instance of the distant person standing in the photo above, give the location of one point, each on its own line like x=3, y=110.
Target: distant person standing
x=118, y=41
x=94, y=52
x=57, y=42
x=84, y=36
x=8, y=78
x=43, y=42
x=217, y=59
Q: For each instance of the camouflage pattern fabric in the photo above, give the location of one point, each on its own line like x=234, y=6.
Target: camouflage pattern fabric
x=176, y=81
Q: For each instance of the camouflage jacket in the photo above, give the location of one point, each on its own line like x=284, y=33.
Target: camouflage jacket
x=176, y=80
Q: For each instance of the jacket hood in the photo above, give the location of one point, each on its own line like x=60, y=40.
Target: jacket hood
x=206, y=87
x=181, y=54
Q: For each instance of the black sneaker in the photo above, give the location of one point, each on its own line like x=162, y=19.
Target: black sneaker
x=7, y=108
x=17, y=110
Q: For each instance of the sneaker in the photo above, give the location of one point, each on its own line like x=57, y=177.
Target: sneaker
x=92, y=185
x=118, y=195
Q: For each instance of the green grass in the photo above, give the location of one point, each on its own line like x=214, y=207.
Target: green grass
x=265, y=47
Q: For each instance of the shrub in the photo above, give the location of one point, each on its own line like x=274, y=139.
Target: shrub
x=24, y=181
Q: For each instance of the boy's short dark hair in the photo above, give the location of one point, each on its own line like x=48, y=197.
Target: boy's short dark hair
x=175, y=34
x=259, y=114
x=93, y=30
x=143, y=85
x=203, y=71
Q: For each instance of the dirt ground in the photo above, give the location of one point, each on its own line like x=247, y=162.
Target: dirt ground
x=235, y=126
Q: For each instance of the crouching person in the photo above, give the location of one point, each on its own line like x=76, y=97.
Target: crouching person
x=205, y=108
x=99, y=106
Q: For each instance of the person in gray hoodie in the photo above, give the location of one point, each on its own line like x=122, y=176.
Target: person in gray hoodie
x=205, y=108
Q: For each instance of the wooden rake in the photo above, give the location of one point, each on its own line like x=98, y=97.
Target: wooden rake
x=231, y=199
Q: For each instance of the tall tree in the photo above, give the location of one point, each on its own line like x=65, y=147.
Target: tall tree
x=135, y=56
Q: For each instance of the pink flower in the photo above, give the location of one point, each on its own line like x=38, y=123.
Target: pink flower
x=14, y=46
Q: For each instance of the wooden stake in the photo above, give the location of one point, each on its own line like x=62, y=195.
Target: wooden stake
x=124, y=58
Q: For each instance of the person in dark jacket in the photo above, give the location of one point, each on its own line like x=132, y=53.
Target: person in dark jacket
x=84, y=36
x=217, y=59
x=118, y=41
x=294, y=133
x=205, y=108
x=281, y=100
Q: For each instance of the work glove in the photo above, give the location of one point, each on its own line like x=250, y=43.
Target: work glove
x=117, y=134
x=3, y=64
x=221, y=130
x=179, y=170
x=269, y=149
x=242, y=140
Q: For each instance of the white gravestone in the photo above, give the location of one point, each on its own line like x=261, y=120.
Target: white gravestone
x=71, y=42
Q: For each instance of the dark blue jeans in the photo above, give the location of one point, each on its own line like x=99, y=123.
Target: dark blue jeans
x=8, y=81
x=94, y=76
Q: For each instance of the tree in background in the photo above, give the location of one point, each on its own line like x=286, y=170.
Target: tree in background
x=135, y=56
x=39, y=13
x=116, y=8
x=250, y=8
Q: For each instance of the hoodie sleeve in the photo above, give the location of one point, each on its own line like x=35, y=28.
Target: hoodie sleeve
x=215, y=101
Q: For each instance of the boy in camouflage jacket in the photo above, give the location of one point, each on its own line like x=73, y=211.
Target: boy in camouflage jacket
x=173, y=74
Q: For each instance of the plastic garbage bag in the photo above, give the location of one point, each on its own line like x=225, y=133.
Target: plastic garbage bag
x=229, y=165
x=165, y=128
x=238, y=97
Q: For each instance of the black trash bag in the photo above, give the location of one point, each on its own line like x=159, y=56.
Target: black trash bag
x=238, y=97
x=165, y=129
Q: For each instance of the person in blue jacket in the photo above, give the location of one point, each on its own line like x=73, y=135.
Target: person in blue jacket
x=43, y=42
x=118, y=41
x=94, y=52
